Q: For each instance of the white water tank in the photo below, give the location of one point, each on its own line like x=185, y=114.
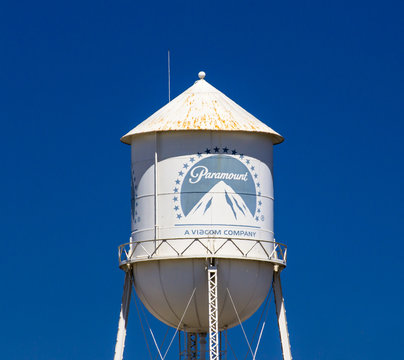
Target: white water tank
x=202, y=188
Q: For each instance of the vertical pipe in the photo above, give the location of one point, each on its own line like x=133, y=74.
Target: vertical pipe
x=202, y=343
x=225, y=347
x=179, y=345
x=155, y=187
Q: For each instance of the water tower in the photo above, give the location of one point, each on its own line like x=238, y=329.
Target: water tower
x=202, y=255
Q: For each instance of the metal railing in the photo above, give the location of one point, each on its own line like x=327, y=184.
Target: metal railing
x=144, y=250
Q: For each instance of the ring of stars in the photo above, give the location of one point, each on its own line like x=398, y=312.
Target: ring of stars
x=206, y=153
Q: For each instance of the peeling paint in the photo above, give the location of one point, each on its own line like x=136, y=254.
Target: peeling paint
x=202, y=107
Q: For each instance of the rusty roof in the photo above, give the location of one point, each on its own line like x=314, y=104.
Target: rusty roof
x=202, y=107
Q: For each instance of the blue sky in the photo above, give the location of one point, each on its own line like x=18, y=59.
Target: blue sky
x=75, y=76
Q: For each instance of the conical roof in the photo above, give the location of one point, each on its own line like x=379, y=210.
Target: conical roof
x=202, y=107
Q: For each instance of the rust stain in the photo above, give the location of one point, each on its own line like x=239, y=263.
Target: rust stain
x=205, y=109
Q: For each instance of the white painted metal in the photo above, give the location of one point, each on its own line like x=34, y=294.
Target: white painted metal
x=185, y=169
x=202, y=188
x=199, y=195
x=281, y=313
x=213, y=313
x=202, y=107
x=135, y=251
x=259, y=340
x=165, y=286
x=155, y=344
x=241, y=324
x=156, y=182
x=123, y=316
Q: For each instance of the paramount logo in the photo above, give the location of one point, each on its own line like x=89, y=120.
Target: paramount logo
x=202, y=172
x=219, y=189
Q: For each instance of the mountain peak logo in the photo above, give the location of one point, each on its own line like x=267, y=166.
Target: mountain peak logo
x=222, y=201
x=218, y=189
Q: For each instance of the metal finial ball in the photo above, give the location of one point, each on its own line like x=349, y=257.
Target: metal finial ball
x=201, y=75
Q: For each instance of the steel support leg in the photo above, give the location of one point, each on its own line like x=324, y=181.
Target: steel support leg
x=281, y=313
x=192, y=346
x=181, y=352
x=202, y=346
x=123, y=316
x=213, y=313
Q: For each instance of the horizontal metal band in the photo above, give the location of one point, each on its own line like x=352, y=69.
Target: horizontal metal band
x=207, y=247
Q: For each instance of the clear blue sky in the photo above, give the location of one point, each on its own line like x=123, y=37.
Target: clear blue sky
x=76, y=75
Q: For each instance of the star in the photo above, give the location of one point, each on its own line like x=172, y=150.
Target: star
x=225, y=150
x=186, y=166
x=260, y=202
x=234, y=152
x=176, y=207
x=256, y=218
x=258, y=184
x=252, y=168
x=180, y=173
x=177, y=182
x=216, y=149
x=179, y=216
x=259, y=193
x=207, y=151
x=192, y=159
x=259, y=210
x=241, y=156
x=199, y=154
x=175, y=190
x=175, y=198
x=247, y=161
x=255, y=175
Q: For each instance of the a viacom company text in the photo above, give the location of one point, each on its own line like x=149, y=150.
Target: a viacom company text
x=220, y=232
